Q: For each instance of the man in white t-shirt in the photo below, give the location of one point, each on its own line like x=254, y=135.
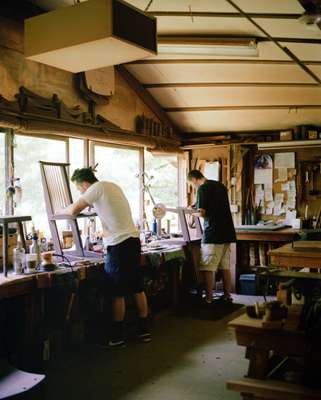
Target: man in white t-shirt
x=121, y=240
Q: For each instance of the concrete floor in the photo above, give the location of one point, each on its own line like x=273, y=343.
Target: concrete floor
x=187, y=359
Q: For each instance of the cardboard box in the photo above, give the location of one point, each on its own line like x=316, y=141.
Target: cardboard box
x=286, y=135
x=312, y=134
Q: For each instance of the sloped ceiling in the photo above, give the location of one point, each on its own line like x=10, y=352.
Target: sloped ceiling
x=224, y=94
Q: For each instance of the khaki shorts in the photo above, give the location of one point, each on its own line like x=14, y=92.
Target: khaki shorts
x=215, y=256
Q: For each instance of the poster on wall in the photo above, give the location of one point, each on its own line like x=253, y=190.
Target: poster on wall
x=284, y=160
x=263, y=170
x=212, y=170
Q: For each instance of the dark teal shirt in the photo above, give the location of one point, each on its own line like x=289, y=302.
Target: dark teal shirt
x=218, y=223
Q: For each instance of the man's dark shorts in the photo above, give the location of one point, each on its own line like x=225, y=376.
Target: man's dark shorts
x=122, y=265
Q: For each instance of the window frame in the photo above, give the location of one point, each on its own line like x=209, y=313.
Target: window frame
x=89, y=148
x=12, y=150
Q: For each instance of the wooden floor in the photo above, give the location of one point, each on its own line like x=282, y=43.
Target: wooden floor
x=188, y=359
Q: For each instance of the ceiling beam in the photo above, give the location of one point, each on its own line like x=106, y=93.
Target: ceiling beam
x=227, y=84
x=214, y=135
x=208, y=14
x=216, y=61
x=290, y=107
x=146, y=97
x=277, y=41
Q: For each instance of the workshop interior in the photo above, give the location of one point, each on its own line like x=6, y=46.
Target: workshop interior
x=160, y=199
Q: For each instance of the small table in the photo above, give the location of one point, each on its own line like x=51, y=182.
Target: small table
x=5, y=221
x=300, y=254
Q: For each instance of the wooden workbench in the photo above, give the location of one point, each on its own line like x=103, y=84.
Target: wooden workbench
x=19, y=285
x=70, y=305
x=301, y=254
x=261, y=341
x=268, y=347
x=258, y=241
x=281, y=235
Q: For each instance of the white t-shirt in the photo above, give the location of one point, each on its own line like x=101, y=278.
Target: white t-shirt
x=113, y=209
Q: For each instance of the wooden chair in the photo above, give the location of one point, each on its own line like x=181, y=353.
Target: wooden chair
x=17, y=384
x=57, y=194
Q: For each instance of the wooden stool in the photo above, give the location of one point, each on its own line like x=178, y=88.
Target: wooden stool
x=5, y=221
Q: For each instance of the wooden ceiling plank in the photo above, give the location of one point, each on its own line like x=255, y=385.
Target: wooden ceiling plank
x=207, y=14
x=203, y=135
x=216, y=61
x=240, y=108
x=276, y=42
x=225, y=84
x=146, y=97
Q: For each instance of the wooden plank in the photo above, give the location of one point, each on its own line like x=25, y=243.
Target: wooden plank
x=226, y=84
x=277, y=42
x=312, y=245
x=286, y=235
x=285, y=274
x=297, y=257
x=12, y=218
x=299, y=262
x=273, y=389
x=217, y=61
x=242, y=108
x=244, y=321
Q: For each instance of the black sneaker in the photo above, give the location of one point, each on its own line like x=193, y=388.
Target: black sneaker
x=143, y=331
x=144, y=336
x=117, y=335
x=227, y=298
x=113, y=343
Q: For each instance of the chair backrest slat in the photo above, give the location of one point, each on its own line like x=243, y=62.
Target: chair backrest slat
x=56, y=186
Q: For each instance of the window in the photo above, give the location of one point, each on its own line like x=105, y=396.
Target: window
x=2, y=173
x=28, y=152
x=162, y=178
x=121, y=166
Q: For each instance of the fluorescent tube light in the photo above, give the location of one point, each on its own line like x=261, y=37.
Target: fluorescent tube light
x=248, y=49
x=289, y=144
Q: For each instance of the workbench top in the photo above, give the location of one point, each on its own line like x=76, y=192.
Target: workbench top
x=300, y=254
x=280, y=235
x=14, y=285
x=244, y=322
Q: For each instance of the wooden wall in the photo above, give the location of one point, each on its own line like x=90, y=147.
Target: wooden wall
x=214, y=153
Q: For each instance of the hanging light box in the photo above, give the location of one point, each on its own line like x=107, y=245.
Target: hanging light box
x=90, y=35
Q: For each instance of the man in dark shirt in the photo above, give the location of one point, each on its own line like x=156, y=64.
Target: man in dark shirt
x=213, y=205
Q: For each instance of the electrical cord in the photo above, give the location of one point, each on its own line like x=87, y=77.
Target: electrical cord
x=65, y=259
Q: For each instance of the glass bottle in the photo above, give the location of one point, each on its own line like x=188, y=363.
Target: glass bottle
x=19, y=258
x=35, y=247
